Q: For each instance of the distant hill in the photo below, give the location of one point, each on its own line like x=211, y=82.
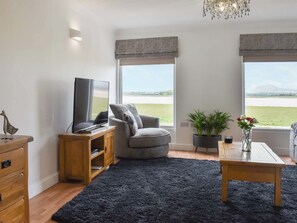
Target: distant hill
x=271, y=90
x=158, y=93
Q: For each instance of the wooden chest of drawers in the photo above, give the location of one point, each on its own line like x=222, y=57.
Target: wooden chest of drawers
x=14, y=201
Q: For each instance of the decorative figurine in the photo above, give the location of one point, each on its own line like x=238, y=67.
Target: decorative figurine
x=7, y=127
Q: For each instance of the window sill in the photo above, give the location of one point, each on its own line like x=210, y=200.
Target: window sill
x=272, y=129
x=167, y=127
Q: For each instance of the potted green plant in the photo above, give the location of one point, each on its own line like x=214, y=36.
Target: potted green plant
x=198, y=119
x=209, y=127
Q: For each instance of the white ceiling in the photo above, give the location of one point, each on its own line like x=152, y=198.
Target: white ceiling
x=125, y=14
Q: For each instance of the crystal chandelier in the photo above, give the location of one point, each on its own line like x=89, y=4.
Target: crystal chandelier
x=226, y=8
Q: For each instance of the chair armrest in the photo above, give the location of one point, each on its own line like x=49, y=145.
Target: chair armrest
x=150, y=121
x=121, y=136
x=122, y=127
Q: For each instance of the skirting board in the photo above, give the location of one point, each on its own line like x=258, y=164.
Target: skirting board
x=45, y=183
x=189, y=147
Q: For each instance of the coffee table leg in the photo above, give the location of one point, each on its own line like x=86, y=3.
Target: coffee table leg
x=224, y=183
x=277, y=188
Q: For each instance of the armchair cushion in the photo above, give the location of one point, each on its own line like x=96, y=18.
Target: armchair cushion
x=129, y=118
x=134, y=111
x=119, y=109
x=149, y=137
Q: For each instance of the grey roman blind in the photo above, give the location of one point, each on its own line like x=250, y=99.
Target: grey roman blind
x=270, y=44
x=143, y=61
x=159, y=47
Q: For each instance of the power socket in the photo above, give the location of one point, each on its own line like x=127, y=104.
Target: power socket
x=184, y=124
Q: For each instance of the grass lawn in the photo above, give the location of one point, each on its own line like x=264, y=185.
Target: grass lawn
x=163, y=111
x=273, y=116
x=99, y=104
x=267, y=116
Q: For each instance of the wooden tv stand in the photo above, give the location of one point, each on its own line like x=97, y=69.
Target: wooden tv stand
x=84, y=156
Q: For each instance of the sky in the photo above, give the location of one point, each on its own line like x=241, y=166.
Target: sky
x=270, y=75
x=259, y=76
x=153, y=78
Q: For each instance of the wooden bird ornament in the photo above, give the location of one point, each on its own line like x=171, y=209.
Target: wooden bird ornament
x=7, y=127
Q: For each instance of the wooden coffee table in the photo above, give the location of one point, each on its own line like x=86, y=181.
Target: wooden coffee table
x=259, y=165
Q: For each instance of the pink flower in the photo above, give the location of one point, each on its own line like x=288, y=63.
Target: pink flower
x=245, y=122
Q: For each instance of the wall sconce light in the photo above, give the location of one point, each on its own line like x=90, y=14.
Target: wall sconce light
x=75, y=34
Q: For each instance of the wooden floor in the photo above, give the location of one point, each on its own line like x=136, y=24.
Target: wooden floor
x=44, y=205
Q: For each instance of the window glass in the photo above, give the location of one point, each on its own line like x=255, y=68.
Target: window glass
x=271, y=92
x=151, y=89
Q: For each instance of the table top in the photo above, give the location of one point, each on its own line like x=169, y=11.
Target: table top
x=87, y=136
x=11, y=141
x=260, y=154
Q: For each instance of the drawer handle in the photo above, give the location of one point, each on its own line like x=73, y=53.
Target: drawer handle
x=105, y=149
x=5, y=164
x=0, y=197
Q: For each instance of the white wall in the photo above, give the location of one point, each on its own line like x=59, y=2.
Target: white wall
x=209, y=74
x=38, y=63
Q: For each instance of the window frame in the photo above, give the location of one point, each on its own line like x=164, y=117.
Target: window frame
x=255, y=59
x=146, y=61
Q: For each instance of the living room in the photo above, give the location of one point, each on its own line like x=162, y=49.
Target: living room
x=40, y=62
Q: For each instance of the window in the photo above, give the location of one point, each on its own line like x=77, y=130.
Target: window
x=271, y=92
x=151, y=88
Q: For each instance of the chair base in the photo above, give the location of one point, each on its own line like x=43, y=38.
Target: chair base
x=145, y=153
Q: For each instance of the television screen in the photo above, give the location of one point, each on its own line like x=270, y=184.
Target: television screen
x=91, y=101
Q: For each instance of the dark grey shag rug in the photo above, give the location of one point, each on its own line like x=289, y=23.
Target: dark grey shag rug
x=177, y=190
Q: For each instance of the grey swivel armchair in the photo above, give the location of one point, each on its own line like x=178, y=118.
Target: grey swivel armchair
x=150, y=141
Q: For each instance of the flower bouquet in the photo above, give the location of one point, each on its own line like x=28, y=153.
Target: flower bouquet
x=246, y=124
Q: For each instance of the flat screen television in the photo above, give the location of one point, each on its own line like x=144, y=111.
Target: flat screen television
x=90, y=107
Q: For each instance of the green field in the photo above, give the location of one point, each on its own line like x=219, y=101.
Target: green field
x=273, y=116
x=163, y=111
x=267, y=116
x=99, y=104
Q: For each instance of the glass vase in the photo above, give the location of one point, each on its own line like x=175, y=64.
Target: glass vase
x=246, y=143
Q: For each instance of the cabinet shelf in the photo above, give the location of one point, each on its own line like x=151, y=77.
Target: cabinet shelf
x=95, y=173
x=96, y=154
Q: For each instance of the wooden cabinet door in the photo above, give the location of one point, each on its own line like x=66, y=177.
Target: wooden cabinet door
x=108, y=148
